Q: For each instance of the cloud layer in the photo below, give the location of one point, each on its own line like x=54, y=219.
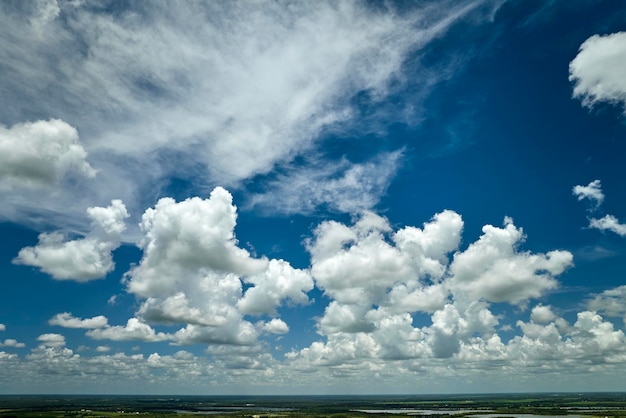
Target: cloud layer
x=159, y=92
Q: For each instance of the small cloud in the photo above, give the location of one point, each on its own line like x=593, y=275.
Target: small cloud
x=592, y=191
x=542, y=314
x=608, y=223
x=3, y=327
x=66, y=320
x=103, y=349
x=12, y=343
x=275, y=326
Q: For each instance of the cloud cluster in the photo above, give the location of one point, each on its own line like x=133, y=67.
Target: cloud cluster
x=403, y=303
x=598, y=70
x=81, y=259
x=378, y=280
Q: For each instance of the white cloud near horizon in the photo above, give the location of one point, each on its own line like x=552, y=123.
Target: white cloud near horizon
x=377, y=279
x=81, y=259
x=599, y=70
x=134, y=330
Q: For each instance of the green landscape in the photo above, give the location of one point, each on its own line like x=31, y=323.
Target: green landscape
x=479, y=406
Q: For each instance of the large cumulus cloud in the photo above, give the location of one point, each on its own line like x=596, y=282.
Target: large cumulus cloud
x=193, y=270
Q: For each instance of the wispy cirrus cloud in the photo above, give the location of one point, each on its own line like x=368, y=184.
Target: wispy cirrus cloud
x=158, y=91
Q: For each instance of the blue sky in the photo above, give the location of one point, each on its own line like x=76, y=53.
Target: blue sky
x=312, y=197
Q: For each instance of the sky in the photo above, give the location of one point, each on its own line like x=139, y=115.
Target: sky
x=297, y=197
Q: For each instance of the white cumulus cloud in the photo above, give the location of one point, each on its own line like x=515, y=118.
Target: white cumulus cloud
x=66, y=320
x=40, y=153
x=193, y=272
x=492, y=268
x=82, y=259
x=275, y=326
x=599, y=70
x=134, y=330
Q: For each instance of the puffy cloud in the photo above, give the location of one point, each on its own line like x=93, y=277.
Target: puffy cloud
x=134, y=330
x=542, y=314
x=608, y=223
x=52, y=340
x=40, y=153
x=358, y=265
x=592, y=191
x=192, y=273
x=3, y=327
x=275, y=326
x=103, y=349
x=66, y=320
x=10, y=342
x=83, y=259
x=379, y=279
x=278, y=282
x=598, y=70
x=493, y=269
x=192, y=236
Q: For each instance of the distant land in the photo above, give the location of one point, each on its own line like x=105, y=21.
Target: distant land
x=522, y=405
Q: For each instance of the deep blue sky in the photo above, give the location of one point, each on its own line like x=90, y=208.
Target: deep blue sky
x=307, y=198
